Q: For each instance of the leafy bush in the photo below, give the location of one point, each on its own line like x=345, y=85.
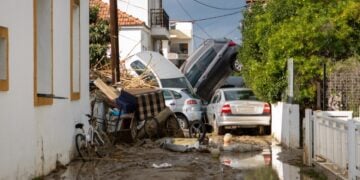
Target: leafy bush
x=310, y=32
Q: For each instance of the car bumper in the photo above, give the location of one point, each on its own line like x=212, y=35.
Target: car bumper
x=244, y=121
x=193, y=115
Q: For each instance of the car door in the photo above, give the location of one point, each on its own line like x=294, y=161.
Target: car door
x=179, y=101
x=170, y=101
x=217, y=105
x=211, y=107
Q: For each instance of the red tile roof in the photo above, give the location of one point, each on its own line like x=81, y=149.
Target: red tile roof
x=124, y=19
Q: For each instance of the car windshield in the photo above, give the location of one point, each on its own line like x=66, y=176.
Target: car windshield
x=239, y=95
x=144, y=72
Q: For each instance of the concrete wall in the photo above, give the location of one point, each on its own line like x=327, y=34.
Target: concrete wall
x=285, y=124
x=133, y=40
x=33, y=138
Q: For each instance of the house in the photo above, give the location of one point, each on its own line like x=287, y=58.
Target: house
x=181, y=41
x=44, y=57
x=143, y=25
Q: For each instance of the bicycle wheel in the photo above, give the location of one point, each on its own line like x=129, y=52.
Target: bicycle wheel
x=80, y=142
x=151, y=128
x=102, y=144
x=172, y=127
x=197, y=130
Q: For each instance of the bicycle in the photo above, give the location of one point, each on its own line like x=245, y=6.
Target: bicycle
x=92, y=141
x=197, y=129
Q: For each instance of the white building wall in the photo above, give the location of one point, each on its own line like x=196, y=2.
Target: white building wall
x=129, y=41
x=33, y=138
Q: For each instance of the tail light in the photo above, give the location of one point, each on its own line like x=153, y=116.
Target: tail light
x=267, y=109
x=191, y=102
x=225, y=110
x=231, y=43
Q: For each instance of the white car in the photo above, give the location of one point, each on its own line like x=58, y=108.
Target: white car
x=184, y=104
x=237, y=107
x=157, y=69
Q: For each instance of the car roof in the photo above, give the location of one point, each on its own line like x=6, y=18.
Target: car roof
x=163, y=67
x=175, y=89
x=235, y=89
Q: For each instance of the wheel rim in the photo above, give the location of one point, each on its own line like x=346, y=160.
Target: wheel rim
x=237, y=66
x=182, y=122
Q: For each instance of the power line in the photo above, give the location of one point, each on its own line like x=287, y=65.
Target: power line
x=215, y=17
x=219, y=8
x=187, y=13
x=230, y=32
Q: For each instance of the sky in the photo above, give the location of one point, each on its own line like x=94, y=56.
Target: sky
x=215, y=28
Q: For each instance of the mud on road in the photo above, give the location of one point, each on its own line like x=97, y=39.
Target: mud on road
x=138, y=161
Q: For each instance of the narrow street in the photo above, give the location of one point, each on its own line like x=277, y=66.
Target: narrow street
x=138, y=162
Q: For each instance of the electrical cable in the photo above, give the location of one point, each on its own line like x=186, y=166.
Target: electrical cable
x=218, y=8
x=215, y=17
x=188, y=14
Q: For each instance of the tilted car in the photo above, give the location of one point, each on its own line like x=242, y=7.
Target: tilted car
x=156, y=69
x=184, y=104
x=237, y=107
x=209, y=66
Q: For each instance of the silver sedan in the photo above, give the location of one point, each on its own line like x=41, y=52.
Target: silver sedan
x=237, y=107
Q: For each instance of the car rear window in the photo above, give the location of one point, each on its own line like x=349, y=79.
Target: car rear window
x=239, y=95
x=200, y=66
x=192, y=95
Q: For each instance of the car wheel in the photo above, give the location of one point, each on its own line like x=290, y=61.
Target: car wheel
x=236, y=66
x=218, y=130
x=183, y=122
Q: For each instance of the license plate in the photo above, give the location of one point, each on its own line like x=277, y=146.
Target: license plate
x=245, y=110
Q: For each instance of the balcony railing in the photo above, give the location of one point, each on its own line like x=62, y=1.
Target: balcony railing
x=159, y=17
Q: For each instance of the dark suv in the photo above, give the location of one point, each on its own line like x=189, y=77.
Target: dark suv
x=209, y=66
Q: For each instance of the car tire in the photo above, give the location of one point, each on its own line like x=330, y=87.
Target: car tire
x=183, y=121
x=236, y=66
x=218, y=130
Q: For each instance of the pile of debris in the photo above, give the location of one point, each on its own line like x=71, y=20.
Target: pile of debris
x=127, y=81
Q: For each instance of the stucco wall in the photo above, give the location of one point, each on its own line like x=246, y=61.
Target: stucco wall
x=33, y=138
x=133, y=40
x=285, y=124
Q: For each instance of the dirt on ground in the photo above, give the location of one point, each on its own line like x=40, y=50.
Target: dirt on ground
x=142, y=161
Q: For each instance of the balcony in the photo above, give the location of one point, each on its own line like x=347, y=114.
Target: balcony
x=159, y=24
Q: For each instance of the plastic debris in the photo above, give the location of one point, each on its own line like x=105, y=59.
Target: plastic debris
x=160, y=166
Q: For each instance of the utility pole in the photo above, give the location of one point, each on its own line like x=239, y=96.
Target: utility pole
x=114, y=37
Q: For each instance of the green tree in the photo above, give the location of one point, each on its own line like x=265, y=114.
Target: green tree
x=99, y=37
x=310, y=32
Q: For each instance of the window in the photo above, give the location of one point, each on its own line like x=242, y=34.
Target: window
x=144, y=72
x=75, y=50
x=4, y=59
x=239, y=95
x=176, y=95
x=43, y=52
x=167, y=95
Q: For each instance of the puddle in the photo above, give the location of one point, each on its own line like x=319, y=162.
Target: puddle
x=257, y=160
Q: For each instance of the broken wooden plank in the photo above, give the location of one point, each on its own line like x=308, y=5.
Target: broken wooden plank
x=109, y=91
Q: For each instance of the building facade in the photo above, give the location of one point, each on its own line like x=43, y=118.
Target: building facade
x=181, y=41
x=143, y=26
x=44, y=55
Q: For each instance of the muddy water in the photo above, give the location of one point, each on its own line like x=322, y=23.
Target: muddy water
x=138, y=162
x=272, y=157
